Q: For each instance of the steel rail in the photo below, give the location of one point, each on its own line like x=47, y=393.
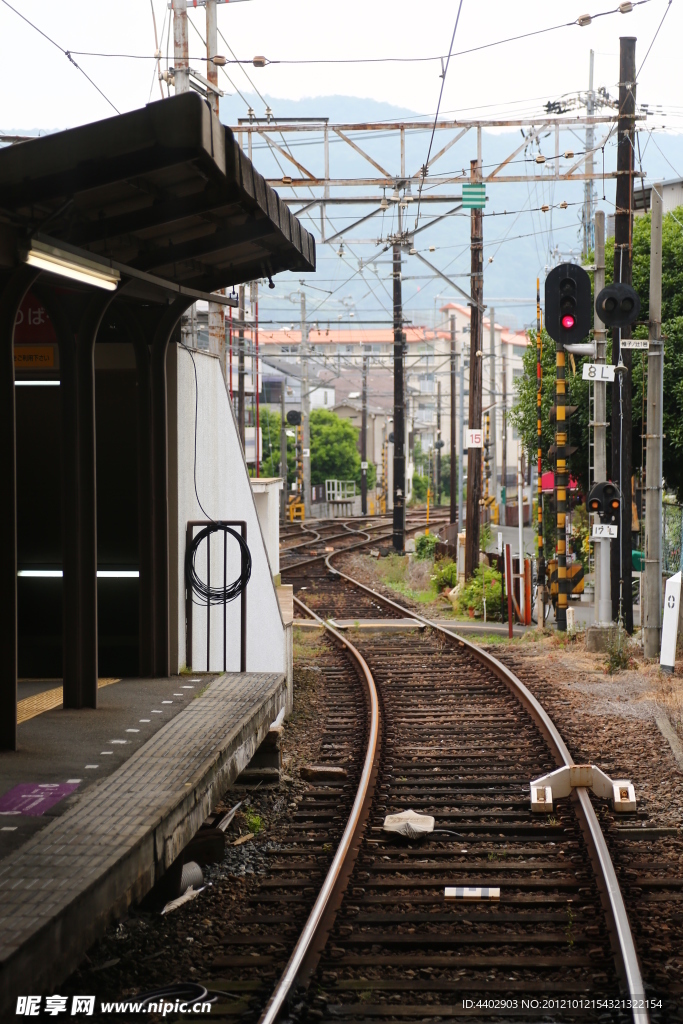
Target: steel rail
x=355, y=820
x=624, y=949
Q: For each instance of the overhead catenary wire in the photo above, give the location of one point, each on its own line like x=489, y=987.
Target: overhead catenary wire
x=67, y=53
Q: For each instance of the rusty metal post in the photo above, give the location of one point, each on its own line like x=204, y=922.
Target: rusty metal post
x=622, y=596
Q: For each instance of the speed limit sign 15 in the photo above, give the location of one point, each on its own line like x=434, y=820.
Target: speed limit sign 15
x=475, y=438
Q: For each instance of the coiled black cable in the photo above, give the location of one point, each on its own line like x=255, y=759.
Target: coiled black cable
x=226, y=593
x=206, y=594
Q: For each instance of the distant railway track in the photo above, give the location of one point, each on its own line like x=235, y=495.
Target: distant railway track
x=450, y=731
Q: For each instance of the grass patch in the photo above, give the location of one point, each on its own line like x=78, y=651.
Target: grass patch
x=254, y=821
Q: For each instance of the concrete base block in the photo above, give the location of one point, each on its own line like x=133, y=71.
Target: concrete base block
x=598, y=638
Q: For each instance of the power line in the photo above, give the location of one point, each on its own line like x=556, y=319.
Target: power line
x=67, y=53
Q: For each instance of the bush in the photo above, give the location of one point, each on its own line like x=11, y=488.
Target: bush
x=425, y=546
x=420, y=487
x=483, y=580
x=446, y=574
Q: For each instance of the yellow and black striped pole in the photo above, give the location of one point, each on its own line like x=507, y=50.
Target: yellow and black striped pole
x=540, y=572
x=561, y=484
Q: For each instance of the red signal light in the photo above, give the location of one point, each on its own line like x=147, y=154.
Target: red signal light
x=568, y=321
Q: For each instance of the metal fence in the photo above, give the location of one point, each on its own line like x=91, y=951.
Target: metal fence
x=672, y=538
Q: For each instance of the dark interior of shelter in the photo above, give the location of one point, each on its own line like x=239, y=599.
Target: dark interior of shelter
x=39, y=510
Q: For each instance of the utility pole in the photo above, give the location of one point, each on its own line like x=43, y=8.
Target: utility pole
x=475, y=403
x=364, y=442
x=399, y=521
x=454, y=493
x=438, y=437
x=181, y=52
x=255, y=365
x=504, y=438
x=461, y=450
x=305, y=409
x=283, y=449
x=652, y=629
x=492, y=393
x=540, y=564
x=216, y=312
x=622, y=597
x=602, y=605
x=587, y=215
x=240, y=370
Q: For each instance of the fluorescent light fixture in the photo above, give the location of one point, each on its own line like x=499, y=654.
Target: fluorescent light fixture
x=37, y=383
x=123, y=574
x=78, y=268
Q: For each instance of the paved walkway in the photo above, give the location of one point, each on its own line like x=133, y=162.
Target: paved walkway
x=62, y=886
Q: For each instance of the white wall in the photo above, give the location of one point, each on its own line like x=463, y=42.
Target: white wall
x=225, y=493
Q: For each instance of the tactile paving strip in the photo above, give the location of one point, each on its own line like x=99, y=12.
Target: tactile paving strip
x=143, y=813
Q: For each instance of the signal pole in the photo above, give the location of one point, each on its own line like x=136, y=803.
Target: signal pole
x=622, y=597
x=561, y=485
x=461, y=447
x=475, y=403
x=364, y=442
x=599, y=405
x=540, y=569
x=454, y=492
x=587, y=215
x=399, y=520
x=652, y=623
x=305, y=411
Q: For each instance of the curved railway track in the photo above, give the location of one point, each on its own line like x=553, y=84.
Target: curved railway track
x=453, y=733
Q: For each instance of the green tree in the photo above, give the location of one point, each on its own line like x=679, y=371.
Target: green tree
x=334, y=449
x=270, y=446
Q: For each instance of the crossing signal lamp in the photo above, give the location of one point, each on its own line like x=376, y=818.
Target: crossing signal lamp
x=568, y=306
x=618, y=305
x=604, y=500
x=294, y=417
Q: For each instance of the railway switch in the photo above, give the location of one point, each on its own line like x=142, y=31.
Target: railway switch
x=561, y=782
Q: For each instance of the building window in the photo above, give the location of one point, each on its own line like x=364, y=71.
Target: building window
x=517, y=372
x=519, y=350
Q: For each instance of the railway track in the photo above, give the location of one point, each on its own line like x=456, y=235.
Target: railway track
x=456, y=735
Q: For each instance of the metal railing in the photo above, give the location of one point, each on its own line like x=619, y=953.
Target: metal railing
x=190, y=602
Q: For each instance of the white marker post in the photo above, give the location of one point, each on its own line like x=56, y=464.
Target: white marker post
x=672, y=604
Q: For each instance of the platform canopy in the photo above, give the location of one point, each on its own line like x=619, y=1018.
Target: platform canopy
x=163, y=191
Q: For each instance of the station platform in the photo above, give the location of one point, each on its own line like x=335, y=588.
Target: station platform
x=96, y=805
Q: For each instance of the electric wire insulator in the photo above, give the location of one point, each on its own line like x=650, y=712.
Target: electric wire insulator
x=228, y=592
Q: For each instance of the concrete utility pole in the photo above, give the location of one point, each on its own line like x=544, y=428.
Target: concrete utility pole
x=454, y=493
x=284, y=494
x=587, y=216
x=305, y=409
x=652, y=628
x=475, y=403
x=461, y=450
x=240, y=370
x=216, y=312
x=504, y=438
x=399, y=520
x=438, y=437
x=364, y=441
x=181, y=59
x=603, y=610
x=492, y=392
x=622, y=596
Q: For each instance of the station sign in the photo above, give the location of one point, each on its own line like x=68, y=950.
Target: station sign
x=635, y=343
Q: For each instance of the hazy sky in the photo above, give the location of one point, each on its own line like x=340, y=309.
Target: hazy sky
x=43, y=90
